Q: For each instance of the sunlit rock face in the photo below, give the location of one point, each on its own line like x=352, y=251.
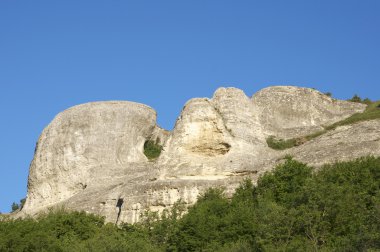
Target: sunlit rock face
x=91, y=157
x=287, y=112
x=84, y=145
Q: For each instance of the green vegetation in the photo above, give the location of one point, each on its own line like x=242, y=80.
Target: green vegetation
x=367, y=101
x=280, y=144
x=75, y=231
x=358, y=99
x=329, y=94
x=355, y=98
x=290, y=209
x=372, y=112
x=16, y=206
x=152, y=150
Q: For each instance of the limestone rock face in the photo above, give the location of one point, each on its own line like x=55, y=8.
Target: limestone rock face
x=214, y=138
x=81, y=143
x=342, y=144
x=91, y=157
x=295, y=111
x=240, y=117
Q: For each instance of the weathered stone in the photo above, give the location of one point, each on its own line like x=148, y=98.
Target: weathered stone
x=82, y=145
x=288, y=112
x=342, y=144
x=91, y=156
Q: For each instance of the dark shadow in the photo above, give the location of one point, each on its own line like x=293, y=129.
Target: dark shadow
x=119, y=204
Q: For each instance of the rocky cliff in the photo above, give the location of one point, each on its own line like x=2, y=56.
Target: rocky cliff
x=91, y=157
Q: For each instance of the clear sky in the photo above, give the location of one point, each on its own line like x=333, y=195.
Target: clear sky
x=56, y=54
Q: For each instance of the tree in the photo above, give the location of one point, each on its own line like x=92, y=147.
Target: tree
x=292, y=208
x=367, y=101
x=15, y=206
x=356, y=98
x=22, y=202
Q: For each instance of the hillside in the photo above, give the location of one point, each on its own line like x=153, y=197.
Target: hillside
x=113, y=160
x=292, y=208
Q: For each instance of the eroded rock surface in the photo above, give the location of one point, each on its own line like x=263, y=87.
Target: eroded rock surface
x=91, y=157
x=287, y=112
x=342, y=144
x=83, y=145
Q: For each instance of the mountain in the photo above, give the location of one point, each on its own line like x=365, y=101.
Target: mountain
x=112, y=159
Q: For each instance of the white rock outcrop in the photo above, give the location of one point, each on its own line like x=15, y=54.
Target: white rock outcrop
x=82, y=144
x=91, y=157
x=288, y=112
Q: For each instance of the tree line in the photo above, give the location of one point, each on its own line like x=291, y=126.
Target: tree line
x=292, y=208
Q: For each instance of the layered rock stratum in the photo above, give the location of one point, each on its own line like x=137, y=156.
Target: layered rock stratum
x=91, y=156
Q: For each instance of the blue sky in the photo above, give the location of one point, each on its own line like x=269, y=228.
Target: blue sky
x=56, y=54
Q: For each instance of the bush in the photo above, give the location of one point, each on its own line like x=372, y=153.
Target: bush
x=356, y=98
x=16, y=206
x=152, y=150
x=280, y=144
x=367, y=101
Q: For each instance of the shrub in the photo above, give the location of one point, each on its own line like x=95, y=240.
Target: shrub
x=14, y=206
x=356, y=98
x=152, y=150
x=280, y=144
x=367, y=101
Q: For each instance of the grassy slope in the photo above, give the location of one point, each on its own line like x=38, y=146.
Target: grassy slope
x=372, y=112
